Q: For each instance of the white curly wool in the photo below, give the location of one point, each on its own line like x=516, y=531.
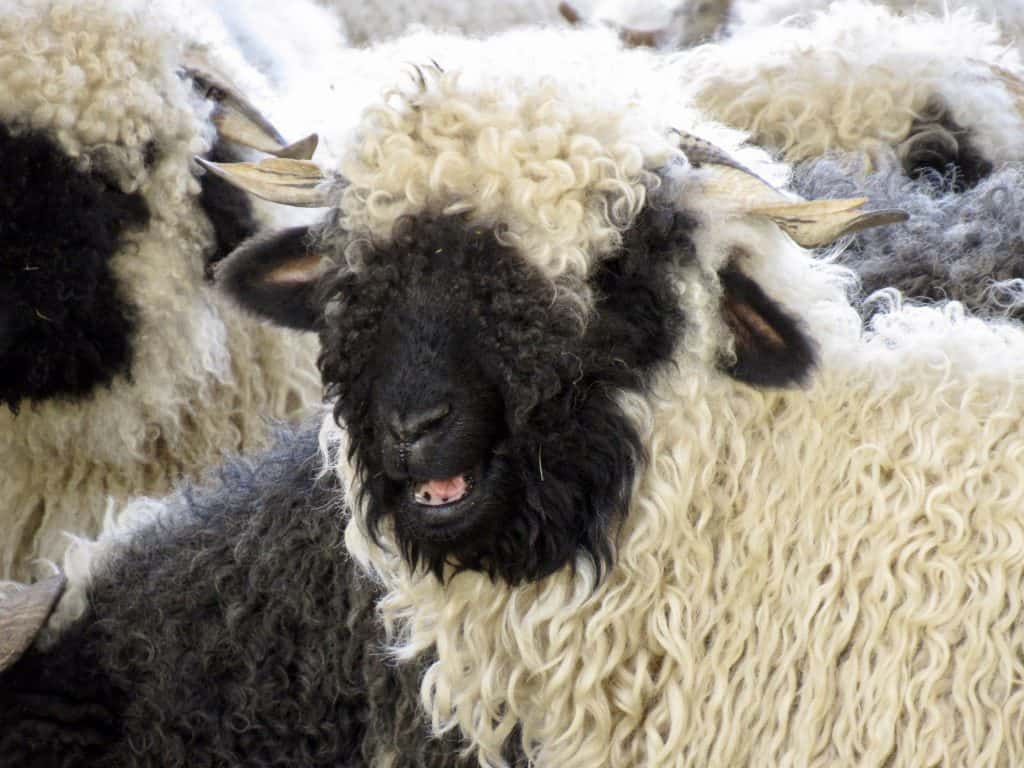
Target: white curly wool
x=100, y=77
x=815, y=577
x=856, y=76
x=555, y=149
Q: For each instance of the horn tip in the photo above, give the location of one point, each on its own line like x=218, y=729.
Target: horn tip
x=303, y=149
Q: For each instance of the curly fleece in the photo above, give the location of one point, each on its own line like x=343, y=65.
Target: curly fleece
x=99, y=80
x=244, y=581
x=849, y=553
x=858, y=77
x=967, y=246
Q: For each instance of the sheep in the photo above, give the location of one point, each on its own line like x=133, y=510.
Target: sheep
x=121, y=369
x=636, y=485
x=681, y=23
x=564, y=353
x=913, y=91
x=964, y=245
x=253, y=640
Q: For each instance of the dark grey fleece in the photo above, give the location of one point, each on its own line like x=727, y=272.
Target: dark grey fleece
x=965, y=245
x=237, y=633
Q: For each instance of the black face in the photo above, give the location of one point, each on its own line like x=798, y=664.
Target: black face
x=482, y=415
x=65, y=326
x=482, y=412
x=938, y=148
x=228, y=208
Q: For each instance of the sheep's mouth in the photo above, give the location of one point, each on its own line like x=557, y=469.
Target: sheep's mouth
x=441, y=493
x=443, y=503
x=448, y=507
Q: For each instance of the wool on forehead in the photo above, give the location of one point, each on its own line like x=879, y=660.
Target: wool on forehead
x=556, y=154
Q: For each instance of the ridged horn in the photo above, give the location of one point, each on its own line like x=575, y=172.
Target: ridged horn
x=236, y=118
x=289, y=182
x=817, y=223
x=810, y=223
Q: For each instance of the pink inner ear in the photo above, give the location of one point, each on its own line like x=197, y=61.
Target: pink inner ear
x=746, y=322
x=304, y=270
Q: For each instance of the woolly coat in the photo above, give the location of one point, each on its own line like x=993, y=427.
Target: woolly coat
x=858, y=77
x=821, y=576
x=817, y=576
x=243, y=581
x=99, y=81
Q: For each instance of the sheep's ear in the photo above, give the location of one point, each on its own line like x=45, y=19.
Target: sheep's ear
x=771, y=347
x=275, y=277
x=23, y=613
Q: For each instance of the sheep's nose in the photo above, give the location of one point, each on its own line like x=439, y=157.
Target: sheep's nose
x=412, y=426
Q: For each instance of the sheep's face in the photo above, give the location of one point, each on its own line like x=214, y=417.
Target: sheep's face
x=68, y=314
x=77, y=200
x=482, y=409
x=471, y=389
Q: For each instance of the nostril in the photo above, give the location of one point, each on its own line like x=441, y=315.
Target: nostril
x=411, y=426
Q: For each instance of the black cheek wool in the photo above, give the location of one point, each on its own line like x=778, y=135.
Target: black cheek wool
x=569, y=454
x=66, y=326
x=239, y=634
x=939, y=148
x=228, y=208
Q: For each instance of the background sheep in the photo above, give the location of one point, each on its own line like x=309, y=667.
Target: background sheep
x=668, y=25
x=1008, y=15
x=915, y=91
x=120, y=368
x=674, y=24
x=369, y=23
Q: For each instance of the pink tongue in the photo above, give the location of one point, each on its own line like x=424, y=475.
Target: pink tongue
x=443, y=491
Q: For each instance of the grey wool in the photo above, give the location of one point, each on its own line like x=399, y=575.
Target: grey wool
x=960, y=244
x=234, y=631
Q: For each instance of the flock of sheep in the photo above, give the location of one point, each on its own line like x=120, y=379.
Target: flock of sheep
x=443, y=383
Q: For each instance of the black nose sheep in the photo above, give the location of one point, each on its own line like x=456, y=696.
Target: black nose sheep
x=698, y=516
x=121, y=368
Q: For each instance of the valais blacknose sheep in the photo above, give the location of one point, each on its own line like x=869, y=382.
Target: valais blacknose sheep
x=238, y=632
x=914, y=91
x=121, y=368
x=635, y=484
